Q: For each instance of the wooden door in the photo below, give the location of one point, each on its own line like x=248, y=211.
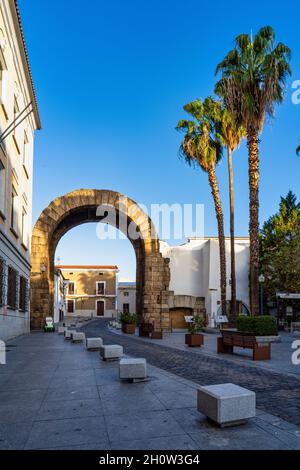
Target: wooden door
x=100, y=308
x=177, y=317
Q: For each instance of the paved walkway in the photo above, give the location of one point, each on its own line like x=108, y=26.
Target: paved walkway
x=277, y=392
x=57, y=395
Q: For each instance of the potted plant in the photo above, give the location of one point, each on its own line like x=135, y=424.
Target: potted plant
x=128, y=321
x=194, y=338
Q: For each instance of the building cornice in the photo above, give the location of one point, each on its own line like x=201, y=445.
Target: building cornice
x=14, y=8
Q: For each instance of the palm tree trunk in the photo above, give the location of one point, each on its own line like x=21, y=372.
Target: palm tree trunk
x=220, y=220
x=253, y=143
x=232, y=246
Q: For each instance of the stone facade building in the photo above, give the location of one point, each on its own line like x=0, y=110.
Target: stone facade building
x=19, y=118
x=91, y=291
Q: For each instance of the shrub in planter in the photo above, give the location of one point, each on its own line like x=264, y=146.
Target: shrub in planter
x=244, y=324
x=128, y=321
x=261, y=325
x=128, y=318
x=264, y=325
x=194, y=337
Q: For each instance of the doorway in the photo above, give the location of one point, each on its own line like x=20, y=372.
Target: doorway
x=100, y=308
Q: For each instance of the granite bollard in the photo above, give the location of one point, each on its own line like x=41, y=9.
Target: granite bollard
x=226, y=404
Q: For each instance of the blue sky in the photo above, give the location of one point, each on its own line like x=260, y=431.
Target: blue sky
x=111, y=79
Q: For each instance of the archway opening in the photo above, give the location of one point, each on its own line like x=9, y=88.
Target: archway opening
x=91, y=261
x=82, y=206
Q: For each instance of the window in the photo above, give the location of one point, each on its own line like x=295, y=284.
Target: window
x=25, y=153
x=24, y=234
x=14, y=210
x=126, y=294
x=2, y=188
x=23, y=294
x=100, y=288
x=12, y=288
x=71, y=288
x=71, y=306
x=2, y=279
x=125, y=308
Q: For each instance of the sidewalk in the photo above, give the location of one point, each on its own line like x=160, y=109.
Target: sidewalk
x=57, y=395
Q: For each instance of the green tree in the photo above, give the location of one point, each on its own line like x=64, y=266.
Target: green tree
x=280, y=248
x=253, y=77
x=201, y=146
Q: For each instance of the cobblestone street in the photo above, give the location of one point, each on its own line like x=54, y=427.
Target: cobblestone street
x=277, y=393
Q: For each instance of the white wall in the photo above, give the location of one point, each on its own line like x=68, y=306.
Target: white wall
x=130, y=299
x=195, y=270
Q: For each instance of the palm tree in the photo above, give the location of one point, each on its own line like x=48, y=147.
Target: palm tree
x=253, y=80
x=230, y=135
x=201, y=146
x=298, y=150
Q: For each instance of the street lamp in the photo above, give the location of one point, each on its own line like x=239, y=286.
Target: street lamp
x=261, y=280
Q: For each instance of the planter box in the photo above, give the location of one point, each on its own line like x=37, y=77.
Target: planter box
x=156, y=335
x=194, y=340
x=145, y=329
x=128, y=328
x=268, y=339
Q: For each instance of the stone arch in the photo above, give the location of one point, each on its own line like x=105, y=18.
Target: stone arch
x=79, y=207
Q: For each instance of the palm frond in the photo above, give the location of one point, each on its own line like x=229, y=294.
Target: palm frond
x=253, y=78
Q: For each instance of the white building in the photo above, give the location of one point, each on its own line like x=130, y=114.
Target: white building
x=126, y=300
x=195, y=271
x=60, y=289
x=19, y=118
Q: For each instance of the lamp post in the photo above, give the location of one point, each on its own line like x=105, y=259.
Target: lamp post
x=261, y=280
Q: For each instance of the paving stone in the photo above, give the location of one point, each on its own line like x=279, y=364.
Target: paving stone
x=144, y=425
x=14, y=437
x=70, y=409
x=61, y=432
x=159, y=443
x=79, y=392
x=132, y=399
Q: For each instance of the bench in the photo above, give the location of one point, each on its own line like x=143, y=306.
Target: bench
x=230, y=339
